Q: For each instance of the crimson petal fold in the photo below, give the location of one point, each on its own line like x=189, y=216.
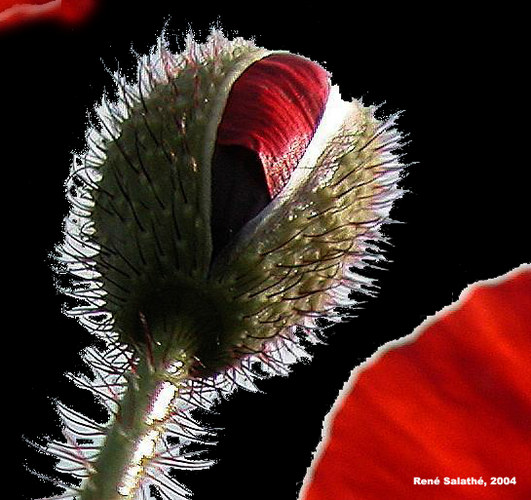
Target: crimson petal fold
x=273, y=109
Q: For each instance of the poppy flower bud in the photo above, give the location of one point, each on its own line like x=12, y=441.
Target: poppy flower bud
x=221, y=203
x=231, y=192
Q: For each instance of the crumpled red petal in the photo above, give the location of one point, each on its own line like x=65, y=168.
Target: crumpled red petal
x=453, y=403
x=273, y=109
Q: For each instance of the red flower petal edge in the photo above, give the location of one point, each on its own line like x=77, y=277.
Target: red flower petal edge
x=6, y=4
x=15, y=13
x=273, y=109
x=452, y=402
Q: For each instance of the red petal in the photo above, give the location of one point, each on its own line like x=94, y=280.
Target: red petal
x=273, y=109
x=76, y=11
x=14, y=13
x=6, y=4
x=455, y=403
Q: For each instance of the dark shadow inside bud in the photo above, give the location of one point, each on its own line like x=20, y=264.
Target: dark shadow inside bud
x=239, y=192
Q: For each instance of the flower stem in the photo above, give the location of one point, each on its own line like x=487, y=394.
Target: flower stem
x=133, y=434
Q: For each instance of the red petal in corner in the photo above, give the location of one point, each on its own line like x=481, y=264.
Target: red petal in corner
x=16, y=13
x=6, y=4
x=77, y=11
x=273, y=109
x=454, y=403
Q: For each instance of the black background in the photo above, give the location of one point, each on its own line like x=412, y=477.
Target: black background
x=458, y=77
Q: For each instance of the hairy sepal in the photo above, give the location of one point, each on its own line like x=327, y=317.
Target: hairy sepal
x=151, y=211
x=294, y=262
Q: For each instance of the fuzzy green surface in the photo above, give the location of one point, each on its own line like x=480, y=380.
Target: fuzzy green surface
x=151, y=211
x=152, y=221
x=286, y=266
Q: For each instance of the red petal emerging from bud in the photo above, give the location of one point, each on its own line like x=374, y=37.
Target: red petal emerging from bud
x=273, y=109
x=455, y=404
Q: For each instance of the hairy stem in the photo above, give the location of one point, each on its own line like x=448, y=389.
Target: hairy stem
x=132, y=437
